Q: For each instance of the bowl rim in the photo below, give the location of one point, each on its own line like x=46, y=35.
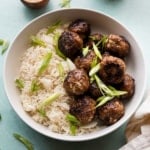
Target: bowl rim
x=68, y=137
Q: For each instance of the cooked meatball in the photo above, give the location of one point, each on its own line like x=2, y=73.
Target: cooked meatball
x=128, y=85
x=81, y=27
x=94, y=90
x=70, y=44
x=117, y=45
x=83, y=108
x=86, y=61
x=112, y=70
x=76, y=82
x=111, y=112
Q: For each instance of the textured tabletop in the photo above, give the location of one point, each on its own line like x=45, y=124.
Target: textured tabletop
x=134, y=14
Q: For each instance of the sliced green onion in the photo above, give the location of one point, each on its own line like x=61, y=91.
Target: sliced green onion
x=23, y=140
x=71, y=65
x=97, y=52
x=53, y=27
x=45, y=63
x=35, y=86
x=65, y=3
x=102, y=86
x=117, y=92
x=94, y=70
x=103, y=41
x=85, y=51
x=60, y=69
x=5, y=46
x=74, y=123
x=35, y=41
x=58, y=52
x=46, y=102
x=19, y=83
x=1, y=41
x=94, y=62
x=103, y=100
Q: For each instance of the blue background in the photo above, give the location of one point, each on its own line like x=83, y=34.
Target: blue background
x=134, y=14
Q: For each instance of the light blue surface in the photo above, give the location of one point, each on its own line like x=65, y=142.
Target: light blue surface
x=134, y=14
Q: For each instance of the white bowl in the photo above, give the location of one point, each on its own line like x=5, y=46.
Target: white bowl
x=98, y=21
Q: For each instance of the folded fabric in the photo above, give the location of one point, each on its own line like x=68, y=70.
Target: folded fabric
x=138, y=128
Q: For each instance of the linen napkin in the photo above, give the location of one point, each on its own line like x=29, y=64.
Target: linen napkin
x=138, y=128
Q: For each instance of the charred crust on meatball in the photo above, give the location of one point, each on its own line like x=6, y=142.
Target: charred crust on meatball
x=83, y=108
x=112, y=70
x=70, y=44
x=84, y=62
x=81, y=27
x=111, y=112
x=76, y=82
x=117, y=45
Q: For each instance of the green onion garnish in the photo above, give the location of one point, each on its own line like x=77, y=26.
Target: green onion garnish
x=74, y=123
x=103, y=41
x=70, y=64
x=46, y=102
x=97, y=52
x=23, y=140
x=19, y=83
x=58, y=52
x=65, y=3
x=35, y=41
x=5, y=45
x=35, y=86
x=53, y=27
x=61, y=70
x=85, y=51
x=94, y=70
x=45, y=63
x=103, y=99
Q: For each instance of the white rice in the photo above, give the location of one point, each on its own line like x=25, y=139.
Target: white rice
x=51, y=82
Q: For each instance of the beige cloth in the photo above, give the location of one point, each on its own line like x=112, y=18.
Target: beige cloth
x=138, y=128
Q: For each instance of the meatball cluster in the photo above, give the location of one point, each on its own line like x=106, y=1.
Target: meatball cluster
x=112, y=72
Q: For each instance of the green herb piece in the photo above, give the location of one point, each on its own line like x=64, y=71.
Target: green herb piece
x=46, y=102
x=109, y=90
x=5, y=46
x=24, y=141
x=58, y=52
x=74, y=123
x=35, y=41
x=103, y=41
x=94, y=62
x=103, y=100
x=19, y=83
x=35, y=86
x=45, y=63
x=61, y=70
x=94, y=70
x=53, y=27
x=97, y=52
x=1, y=41
x=85, y=51
x=117, y=92
x=71, y=65
x=65, y=3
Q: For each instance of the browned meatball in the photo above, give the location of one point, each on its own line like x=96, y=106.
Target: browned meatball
x=128, y=85
x=70, y=44
x=83, y=108
x=117, y=45
x=112, y=70
x=111, y=112
x=86, y=61
x=76, y=82
x=81, y=27
x=94, y=91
